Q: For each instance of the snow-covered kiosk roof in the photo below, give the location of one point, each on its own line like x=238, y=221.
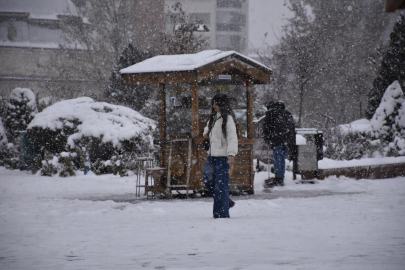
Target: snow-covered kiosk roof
x=202, y=66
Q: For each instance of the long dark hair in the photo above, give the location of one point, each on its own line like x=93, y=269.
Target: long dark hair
x=223, y=102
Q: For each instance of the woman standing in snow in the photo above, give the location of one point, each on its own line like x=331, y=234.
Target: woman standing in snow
x=221, y=130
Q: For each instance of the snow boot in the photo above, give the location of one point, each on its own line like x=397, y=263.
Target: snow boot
x=278, y=181
x=218, y=216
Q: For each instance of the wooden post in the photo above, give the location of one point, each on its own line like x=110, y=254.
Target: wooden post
x=250, y=110
x=195, y=127
x=162, y=111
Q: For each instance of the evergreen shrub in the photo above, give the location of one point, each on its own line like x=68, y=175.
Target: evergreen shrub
x=21, y=110
x=112, y=135
x=67, y=166
x=113, y=166
x=347, y=145
x=49, y=168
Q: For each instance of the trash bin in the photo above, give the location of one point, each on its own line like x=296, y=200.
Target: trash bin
x=28, y=150
x=305, y=156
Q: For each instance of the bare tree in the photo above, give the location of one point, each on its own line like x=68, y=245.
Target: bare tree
x=182, y=38
x=94, y=36
x=326, y=59
x=96, y=33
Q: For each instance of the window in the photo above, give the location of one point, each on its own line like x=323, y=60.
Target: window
x=79, y=3
x=229, y=42
x=11, y=31
x=200, y=17
x=230, y=21
x=178, y=109
x=229, y=3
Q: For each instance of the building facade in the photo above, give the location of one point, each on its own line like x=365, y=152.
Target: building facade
x=30, y=35
x=227, y=21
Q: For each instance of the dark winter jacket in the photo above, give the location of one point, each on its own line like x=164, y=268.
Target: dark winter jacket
x=278, y=126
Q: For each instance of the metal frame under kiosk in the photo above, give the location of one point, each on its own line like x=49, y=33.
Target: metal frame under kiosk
x=169, y=185
x=305, y=157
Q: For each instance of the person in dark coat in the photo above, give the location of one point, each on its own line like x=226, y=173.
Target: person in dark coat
x=279, y=133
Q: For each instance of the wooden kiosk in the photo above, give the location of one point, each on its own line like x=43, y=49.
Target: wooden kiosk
x=186, y=84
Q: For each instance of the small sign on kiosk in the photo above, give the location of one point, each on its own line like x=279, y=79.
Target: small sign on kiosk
x=225, y=77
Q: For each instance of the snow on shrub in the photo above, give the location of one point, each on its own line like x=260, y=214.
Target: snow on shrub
x=350, y=141
x=387, y=122
x=103, y=129
x=383, y=135
x=3, y=136
x=7, y=152
x=384, y=118
x=399, y=131
x=21, y=110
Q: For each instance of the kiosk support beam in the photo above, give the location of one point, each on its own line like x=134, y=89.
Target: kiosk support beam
x=162, y=111
x=195, y=129
x=250, y=110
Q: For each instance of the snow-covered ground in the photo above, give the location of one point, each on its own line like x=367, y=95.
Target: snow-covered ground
x=337, y=223
x=330, y=163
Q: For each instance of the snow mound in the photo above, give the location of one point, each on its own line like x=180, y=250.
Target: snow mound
x=112, y=123
x=21, y=95
x=358, y=126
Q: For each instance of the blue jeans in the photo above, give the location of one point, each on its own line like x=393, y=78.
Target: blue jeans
x=280, y=153
x=216, y=179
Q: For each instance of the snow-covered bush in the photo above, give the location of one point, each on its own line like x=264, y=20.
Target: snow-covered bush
x=50, y=166
x=21, y=110
x=3, y=106
x=114, y=166
x=3, y=143
x=383, y=135
x=399, y=131
x=67, y=167
x=383, y=121
x=350, y=141
x=3, y=136
x=387, y=124
x=101, y=129
x=9, y=153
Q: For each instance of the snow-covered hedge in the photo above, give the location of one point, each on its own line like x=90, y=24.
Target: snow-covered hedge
x=351, y=141
x=21, y=109
x=101, y=129
x=388, y=122
x=8, y=155
x=383, y=135
x=17, y=111
x=3, y=136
